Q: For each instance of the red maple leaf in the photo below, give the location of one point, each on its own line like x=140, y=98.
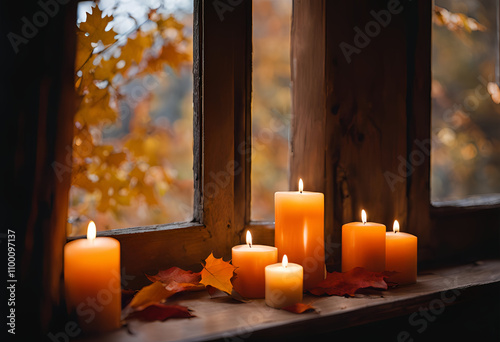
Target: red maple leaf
x=160, y=312
x=347, y=283
x=178, y=280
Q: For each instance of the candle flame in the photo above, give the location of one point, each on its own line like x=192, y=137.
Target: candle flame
x=91, y=231
x=301, y=185
x=285, y=261
x=395, y=227
x=249, y=239
x=363, y=216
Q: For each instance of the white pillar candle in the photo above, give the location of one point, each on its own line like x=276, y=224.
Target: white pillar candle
x=284, y=284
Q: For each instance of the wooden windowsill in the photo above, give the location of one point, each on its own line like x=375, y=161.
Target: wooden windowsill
x=223, y=318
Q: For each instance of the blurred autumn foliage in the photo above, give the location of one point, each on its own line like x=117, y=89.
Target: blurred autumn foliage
x=465, y=158
x=132, y=147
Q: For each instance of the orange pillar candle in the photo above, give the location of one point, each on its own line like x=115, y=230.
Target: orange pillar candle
x=299, y=231
x=251, y=261
x=363, y=245
x=283, y=284
x=92, y=281
x=401, y=256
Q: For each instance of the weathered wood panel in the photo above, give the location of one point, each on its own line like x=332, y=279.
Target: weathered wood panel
x=349, y=105
x=308, y=139
x=419, y=128
x=225, y=96
x=367, y=109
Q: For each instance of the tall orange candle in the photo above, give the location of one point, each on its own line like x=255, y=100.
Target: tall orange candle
x=251, y=261
x=299, y=231
x=363, y=245
x=92, y=281
x=401, y=256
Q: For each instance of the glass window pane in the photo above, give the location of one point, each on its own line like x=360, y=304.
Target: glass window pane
x=132, y=150
x=465, y=116
x=271, y=104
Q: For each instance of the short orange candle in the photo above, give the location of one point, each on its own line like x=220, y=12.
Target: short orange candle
x=363, y=245
x=92, y=281
x=401, y=256
x=250, y=262
x=299, y=231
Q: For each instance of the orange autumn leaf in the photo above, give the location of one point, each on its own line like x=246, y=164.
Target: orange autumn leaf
x=84, y=51
x=90, y=32
x=299, y=308
x=135, y=47
x=95, y=25
x=217, y=273
x=160, y=312
x=455, y=21
x=151, y=294
x=106, y=70
x=178, y=280
x=347, y=283
x=96, y=107
x=170, y=55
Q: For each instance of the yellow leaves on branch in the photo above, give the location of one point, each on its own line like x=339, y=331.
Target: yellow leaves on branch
x=119, y=175
x=90, y=32
x=455, y=22
x=135, y=47
x=95, y=108
x=95, y=26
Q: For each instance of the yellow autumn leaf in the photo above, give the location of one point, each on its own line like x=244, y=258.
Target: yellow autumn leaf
x=106, y=69
x=96, y=107
x=135, y=47
x=94, y=27
x=217, y=273
x=84, y=50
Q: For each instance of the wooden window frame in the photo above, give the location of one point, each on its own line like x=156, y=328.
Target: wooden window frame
x=368, y=115
x=325, y=120
x=222, y=136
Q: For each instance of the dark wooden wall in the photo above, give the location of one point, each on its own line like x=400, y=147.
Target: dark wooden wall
x=37, y=100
